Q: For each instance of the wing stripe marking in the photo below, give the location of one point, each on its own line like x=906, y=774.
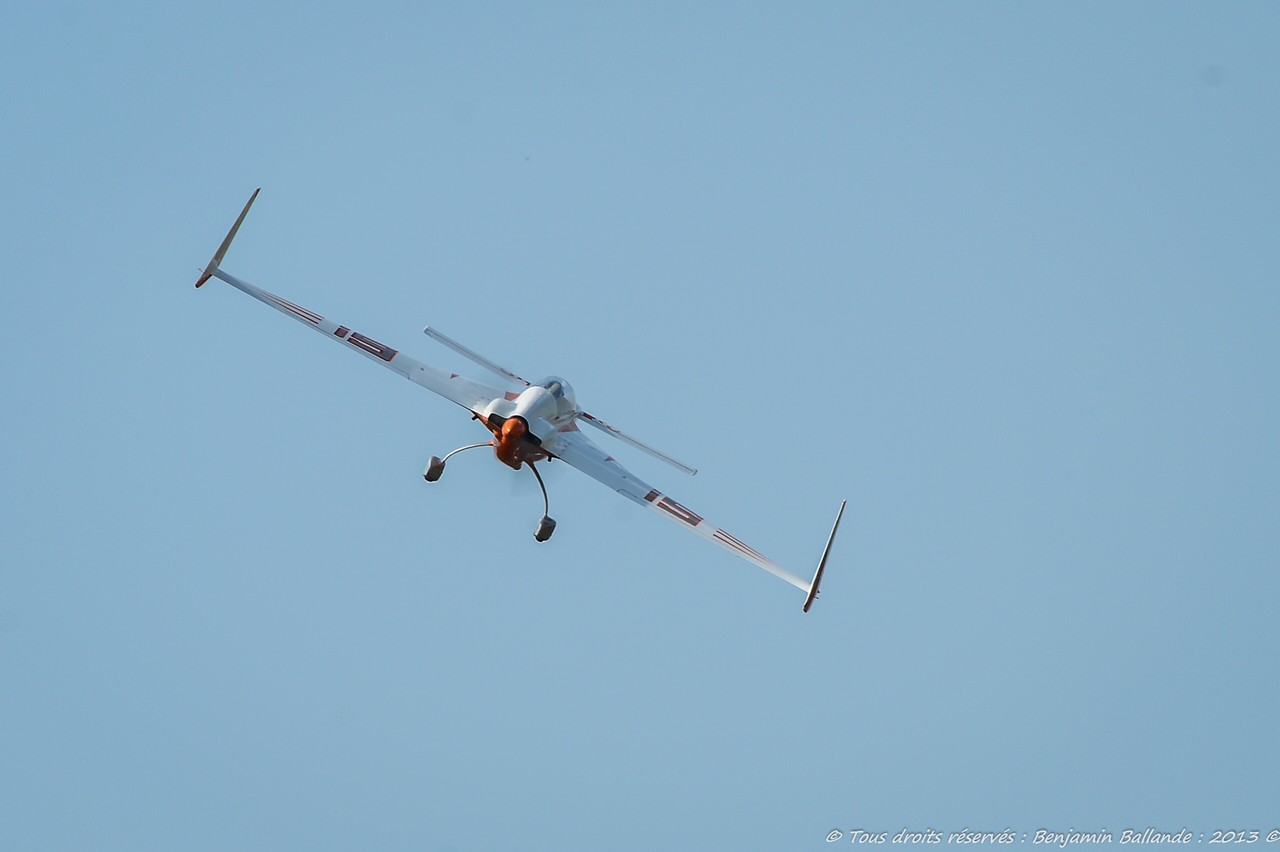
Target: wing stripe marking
x=305, y=314
x=725, y=538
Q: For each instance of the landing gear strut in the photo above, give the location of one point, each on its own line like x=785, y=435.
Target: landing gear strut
x=547, y=524
x=435, y=466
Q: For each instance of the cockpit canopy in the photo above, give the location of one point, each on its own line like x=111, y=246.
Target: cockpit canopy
x=562, y=392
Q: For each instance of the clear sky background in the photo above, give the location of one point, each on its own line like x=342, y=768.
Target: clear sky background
x=1002, y=275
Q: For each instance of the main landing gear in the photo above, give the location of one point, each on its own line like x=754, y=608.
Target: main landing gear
x=546, y=524
x=435, y=465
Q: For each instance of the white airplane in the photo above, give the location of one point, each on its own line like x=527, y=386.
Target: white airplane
x=537, y=423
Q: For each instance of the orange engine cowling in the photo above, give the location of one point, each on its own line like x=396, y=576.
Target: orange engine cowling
x=507, y=447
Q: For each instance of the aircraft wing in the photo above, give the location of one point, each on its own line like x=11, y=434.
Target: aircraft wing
x=468, y=393
x=576, y=449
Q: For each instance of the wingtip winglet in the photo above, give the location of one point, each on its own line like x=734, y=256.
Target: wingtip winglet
x=226, y=243
x=822, y=563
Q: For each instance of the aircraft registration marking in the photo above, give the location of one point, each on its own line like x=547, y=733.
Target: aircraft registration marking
x=355, y=338
x=373, y=347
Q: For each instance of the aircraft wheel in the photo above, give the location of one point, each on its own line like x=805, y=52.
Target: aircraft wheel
x=435, y=467
x=546, y=527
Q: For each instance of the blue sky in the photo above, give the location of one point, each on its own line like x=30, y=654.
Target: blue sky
x=1001, y=275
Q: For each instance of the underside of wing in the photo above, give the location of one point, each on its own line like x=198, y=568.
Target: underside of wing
x=576, y=449
x=466, y=392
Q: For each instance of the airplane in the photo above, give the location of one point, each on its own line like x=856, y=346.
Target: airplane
x=538, y=422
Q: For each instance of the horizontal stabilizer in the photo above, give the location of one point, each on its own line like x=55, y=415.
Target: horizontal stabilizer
x=639, y=445
x=496, y=369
